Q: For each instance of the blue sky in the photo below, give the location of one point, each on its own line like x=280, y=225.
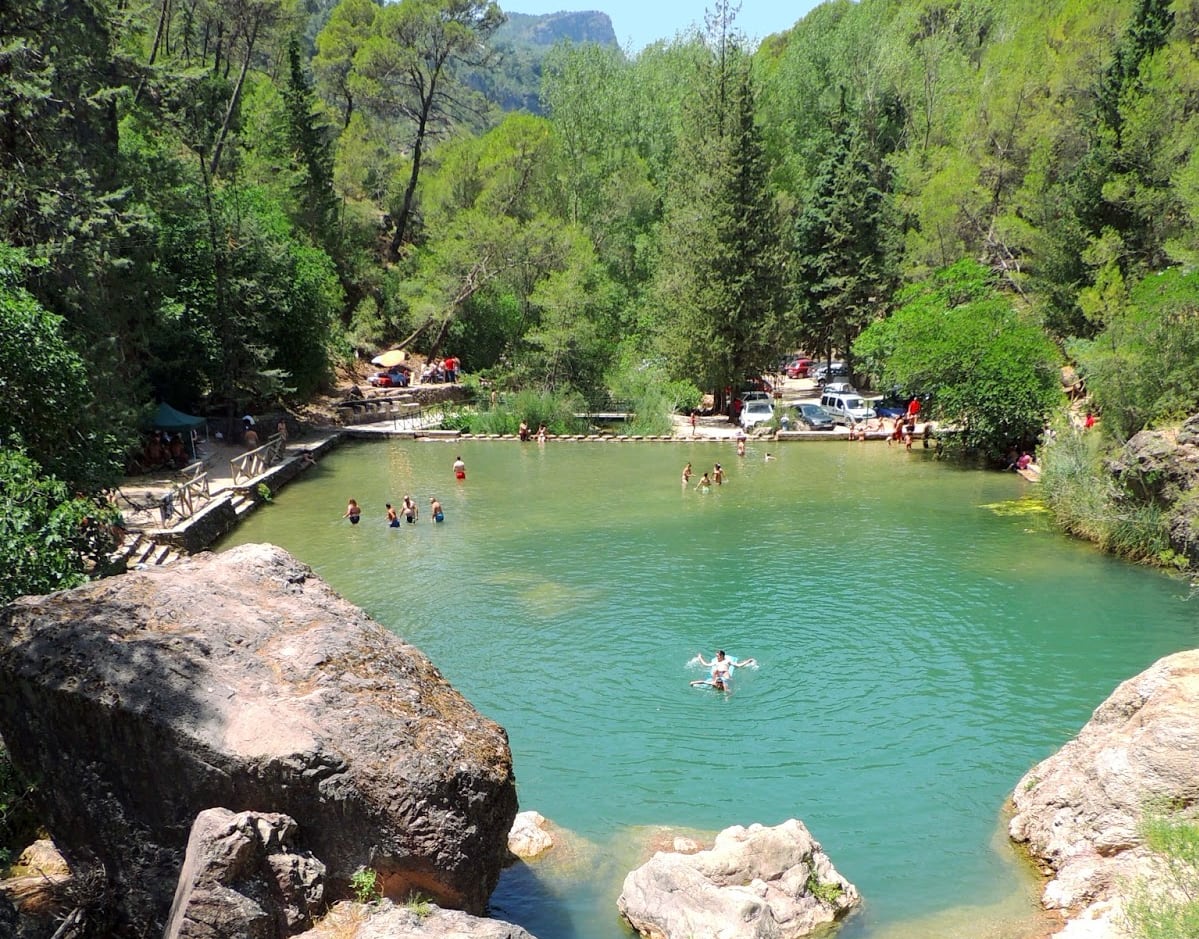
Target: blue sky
x=640, y=22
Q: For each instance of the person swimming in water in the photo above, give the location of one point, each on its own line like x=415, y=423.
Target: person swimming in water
x=722, y=666
x=704, y=484
x=717, y=684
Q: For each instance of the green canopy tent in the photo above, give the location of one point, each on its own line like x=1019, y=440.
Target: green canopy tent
x=167, y=418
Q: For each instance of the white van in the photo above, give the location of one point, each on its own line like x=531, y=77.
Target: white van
x=846, y=407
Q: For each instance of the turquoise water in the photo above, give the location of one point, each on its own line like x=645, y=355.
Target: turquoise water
x=918, y=650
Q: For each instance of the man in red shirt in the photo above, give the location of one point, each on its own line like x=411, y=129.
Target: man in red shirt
x=913, y=410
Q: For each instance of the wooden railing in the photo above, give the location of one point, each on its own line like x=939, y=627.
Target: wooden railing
x=186, y=498
x=256, y=462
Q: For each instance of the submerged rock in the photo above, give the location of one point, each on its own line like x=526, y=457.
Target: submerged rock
x=241, y=680
x=1079, y=811
x=755, y=883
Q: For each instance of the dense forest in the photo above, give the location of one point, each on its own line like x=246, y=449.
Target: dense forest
x=214, y=203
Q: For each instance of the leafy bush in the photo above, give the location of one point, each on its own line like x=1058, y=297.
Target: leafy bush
x=1167, y=907
x=554, y=409
x=992, y=371
x=364, y=882
x=1086, y=501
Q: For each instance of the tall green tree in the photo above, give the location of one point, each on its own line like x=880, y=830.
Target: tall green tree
x=844, y=257
x=407, y=71
x=719, y=282
x=992, y=371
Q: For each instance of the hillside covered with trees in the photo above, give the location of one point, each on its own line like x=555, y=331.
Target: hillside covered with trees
x=214, y=202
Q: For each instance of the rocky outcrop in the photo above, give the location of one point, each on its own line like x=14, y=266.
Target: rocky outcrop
x=1162, y=467
x=530, y=836
x=1079, y=811
x=386, y=920
x=243, y=877
x=241, y=680
x=755, y=883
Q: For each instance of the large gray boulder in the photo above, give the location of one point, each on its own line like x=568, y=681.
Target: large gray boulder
x=1079, y=811
x=243, y=877
x=241, y=680
x=755, y=883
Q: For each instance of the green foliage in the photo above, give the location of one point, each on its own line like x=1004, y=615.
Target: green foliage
x=824, y=891
x=1085, y=500
x=555, y=410
x=49, y=540
x=1143, y=366
x=1167, y=906
x=652, y=397
x=46, y=405
x=365, y=884
x=419, y=904
x=992, y=372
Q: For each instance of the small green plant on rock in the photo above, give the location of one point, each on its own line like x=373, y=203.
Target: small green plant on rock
x=824, y=891
x=365, y=884
x=264, y=492
x=421, y=905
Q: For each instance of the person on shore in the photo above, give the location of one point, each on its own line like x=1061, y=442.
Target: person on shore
x=541, y=433
x=353, y=512
x=686, y=474
x=523, y=433
x=718, y=474
x=694, y=421
x=437, y=515
x=459, y=468
x=409, y=509
x=250, y=438
x=722, y=666
x=393, y=520
x=704, y=484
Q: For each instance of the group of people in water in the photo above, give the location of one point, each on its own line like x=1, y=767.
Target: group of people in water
x=409, y=511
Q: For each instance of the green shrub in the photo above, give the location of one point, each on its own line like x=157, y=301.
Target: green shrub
x=1167, y=906
x=365, y=884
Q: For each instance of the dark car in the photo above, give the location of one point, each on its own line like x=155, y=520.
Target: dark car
x=814, y=417
x=828, y=371
x=397, y=377
x=890, y=405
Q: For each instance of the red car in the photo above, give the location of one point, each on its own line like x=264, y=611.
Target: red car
x=798, y=368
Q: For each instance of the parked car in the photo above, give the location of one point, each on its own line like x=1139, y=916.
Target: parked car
x=756, y=412
x=891, y=404
x=814, y=417
x=798, y=368
x=840, y=386
x=828, y=371
x=395, y=377
x=845, y=407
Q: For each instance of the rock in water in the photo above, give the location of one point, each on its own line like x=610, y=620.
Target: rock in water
x=241, y=680
x=1079, y=811
x=755, y=883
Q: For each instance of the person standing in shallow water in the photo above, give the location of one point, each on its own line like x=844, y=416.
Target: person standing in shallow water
x=437, y=515
x=353, y=512
x=393, y=520
x=459, y=468
x=686, y=474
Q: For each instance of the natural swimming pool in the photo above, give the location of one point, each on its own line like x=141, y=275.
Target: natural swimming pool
x=919, y=649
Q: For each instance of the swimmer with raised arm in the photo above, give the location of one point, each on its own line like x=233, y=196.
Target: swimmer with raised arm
x=722, y=666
